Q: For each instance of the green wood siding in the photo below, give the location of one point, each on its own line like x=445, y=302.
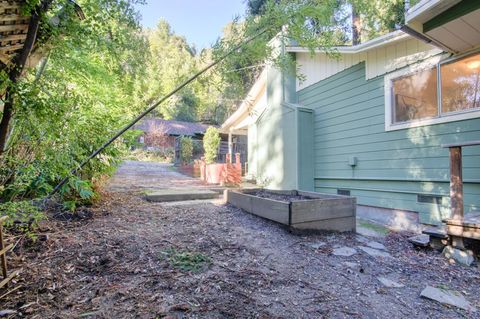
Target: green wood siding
x=393, y=167
x=305, y=150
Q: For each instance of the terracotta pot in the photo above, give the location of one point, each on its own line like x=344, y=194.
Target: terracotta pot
x=214, y=173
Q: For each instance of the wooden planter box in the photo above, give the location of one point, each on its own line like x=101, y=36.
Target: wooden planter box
x=317, y=212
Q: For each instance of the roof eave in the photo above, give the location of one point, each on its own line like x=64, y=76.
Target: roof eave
x=245, y=106
x=374, y=43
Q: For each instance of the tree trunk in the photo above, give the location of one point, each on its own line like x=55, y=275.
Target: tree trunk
x=356, y=27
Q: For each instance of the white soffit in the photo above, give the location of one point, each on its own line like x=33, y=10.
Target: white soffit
x=459, y=35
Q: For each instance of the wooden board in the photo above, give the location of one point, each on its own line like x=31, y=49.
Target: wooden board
x=271, y=209
x=338, y=213
x=342, y=224
x=319, y=195
x=321, y=209
x=267, y=208
x=463, y=231
x=13, y=27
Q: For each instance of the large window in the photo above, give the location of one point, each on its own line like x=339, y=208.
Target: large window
x=415, y=96
x=445, y=92
x=460, y=84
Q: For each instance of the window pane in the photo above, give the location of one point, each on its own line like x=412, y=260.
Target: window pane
x=415, y=96
x=460, y=84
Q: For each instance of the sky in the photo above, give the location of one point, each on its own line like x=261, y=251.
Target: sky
x=200, y=21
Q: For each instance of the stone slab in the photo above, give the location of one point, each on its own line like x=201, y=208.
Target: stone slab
x=389, y=283
x=375, y=252
x=376, y=245
x=421, y=240
x=172, y=195
x=439, y=232
x=448, y=297
x=352, y=265
x=344, y=251
x=316, y=245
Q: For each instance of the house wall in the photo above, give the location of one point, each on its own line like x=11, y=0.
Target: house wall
x=276, y=160
x=276, y=134
x=392, y=167
x=378, y=60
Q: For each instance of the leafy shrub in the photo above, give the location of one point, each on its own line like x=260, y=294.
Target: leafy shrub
x=211, y=142
x=186, y=149
x=187, y=261
x=23, y=216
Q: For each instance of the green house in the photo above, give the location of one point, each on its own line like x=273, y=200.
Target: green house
x=371, y=124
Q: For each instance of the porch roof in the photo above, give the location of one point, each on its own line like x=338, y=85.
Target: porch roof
x=239, y=121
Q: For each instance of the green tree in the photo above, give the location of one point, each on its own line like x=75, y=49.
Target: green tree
x=211, y=142
x=86, y=88
x=186, y=149
x=172, y=60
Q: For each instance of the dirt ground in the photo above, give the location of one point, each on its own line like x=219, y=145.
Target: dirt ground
x=129, y=258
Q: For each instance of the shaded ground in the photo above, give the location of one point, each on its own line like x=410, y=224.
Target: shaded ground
x=119, y=264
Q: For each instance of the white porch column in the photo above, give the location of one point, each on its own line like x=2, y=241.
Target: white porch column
x=230, y=145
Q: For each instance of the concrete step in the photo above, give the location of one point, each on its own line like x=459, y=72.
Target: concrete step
x=437, y=232
x=175, y=195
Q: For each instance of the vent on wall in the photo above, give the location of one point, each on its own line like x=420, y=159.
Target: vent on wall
x=344, y=192
x=429, y=199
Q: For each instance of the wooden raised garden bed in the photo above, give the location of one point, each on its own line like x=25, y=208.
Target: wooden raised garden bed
x=297, y=209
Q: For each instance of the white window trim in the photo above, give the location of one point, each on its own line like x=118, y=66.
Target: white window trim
x=411, y=69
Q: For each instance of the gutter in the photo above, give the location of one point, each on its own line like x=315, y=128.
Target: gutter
x=424, y=38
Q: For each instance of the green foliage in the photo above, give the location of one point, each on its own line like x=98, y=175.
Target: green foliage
x=314, y=24
x=186, y=261
x=211, y=142
x=23, y=216
x=186, y=149
x=90, y=87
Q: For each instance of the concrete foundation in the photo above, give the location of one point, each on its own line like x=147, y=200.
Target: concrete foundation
x=392, y=218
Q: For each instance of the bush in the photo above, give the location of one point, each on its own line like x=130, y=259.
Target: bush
x=23, y=216
x=186, y=149
x=211, y=142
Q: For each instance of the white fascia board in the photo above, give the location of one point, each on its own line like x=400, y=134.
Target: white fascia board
x=374, y=43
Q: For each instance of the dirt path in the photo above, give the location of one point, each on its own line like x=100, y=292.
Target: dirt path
x=126, y=262
x=138, y=176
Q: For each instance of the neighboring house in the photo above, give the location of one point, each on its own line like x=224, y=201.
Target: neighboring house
x=371, y=124
x=163, y=133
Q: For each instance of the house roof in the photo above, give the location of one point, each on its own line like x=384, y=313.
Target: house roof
x=242, y=117
x=353, y=49
x=171, y=127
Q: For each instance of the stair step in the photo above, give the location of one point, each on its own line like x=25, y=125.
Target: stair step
x=421, y=240
x=437, y=232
